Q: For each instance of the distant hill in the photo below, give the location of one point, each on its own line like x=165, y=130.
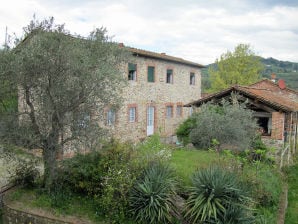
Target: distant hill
x=285, y=70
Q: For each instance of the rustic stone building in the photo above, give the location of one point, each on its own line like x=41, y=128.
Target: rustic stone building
x=158, y=87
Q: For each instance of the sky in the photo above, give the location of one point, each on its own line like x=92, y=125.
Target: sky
x=196, y=30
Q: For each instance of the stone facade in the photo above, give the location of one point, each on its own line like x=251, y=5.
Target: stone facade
x=166, y=99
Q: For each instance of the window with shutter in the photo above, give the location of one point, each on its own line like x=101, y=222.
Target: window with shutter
x=151, y=74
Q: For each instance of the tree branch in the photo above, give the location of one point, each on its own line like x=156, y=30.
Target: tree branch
x=32, y=112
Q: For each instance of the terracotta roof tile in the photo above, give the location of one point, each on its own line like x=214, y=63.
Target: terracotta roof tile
x=163, y=56
x=265, y=91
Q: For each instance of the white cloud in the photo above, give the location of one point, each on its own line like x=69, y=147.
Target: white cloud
x=196, y=30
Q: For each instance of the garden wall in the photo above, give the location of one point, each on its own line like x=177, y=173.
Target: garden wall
x=15, y=216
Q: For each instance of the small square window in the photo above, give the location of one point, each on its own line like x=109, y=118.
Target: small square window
x=170, y=76
x=111, y=117
x=151, y=73
x=179, y=111
x=132, y=72
x=192, y=79
x=169, y=111
x=132, y=114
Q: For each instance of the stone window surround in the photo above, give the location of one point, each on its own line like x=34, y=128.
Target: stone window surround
x=135, y=74
x=169, y=105
x=179, y=104
x=133, y=105
x=172, y=78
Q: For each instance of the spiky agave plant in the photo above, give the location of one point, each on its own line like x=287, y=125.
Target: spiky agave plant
x=215, y=193
x=151, y=198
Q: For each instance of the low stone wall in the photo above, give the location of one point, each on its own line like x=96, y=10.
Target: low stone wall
x=15, y=216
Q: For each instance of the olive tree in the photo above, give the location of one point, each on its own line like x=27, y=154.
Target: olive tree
x=64, y=84
x=231, y=125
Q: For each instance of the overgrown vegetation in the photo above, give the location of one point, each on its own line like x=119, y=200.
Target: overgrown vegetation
x=123, y=183
x=292, y=210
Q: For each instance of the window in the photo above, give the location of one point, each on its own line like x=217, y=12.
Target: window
x=179, y=111
x=190, y=111
x=169, y=111
x=192, y=78
x=132, y=72
x=151, y=74
x=170, y=76
x=111, y=117
x=132, y=114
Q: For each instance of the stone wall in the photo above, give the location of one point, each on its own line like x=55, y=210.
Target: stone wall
x=15, y=216
x=158, y=94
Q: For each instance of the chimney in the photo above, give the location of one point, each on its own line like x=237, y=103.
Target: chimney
x=281, y=84
x=273, y=77
x=121, y=45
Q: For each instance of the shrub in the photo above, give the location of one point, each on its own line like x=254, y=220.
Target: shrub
x=152, y=196
x=184, y=130
x=81, y=174
x=230, y=124
x=119, y=171
x=26, y=173
x=216, y=195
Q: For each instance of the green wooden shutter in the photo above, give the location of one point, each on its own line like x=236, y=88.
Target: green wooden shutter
x=150, y=74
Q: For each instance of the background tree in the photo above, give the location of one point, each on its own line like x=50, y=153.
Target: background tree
x=64, y=82
x=241, y=67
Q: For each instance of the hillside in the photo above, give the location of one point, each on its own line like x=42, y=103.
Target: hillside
x=283, y=69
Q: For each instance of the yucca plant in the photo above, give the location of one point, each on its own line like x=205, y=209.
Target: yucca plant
x=213, y=197
x=152, y=196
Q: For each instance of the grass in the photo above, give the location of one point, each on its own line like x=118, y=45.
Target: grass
x=187, y=161
x=79, y=208
x=292, y=210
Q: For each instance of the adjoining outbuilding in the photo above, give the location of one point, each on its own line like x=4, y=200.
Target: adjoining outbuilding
x=275, y=107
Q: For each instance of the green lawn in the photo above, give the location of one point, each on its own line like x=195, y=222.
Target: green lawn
x=292, y=210
x=186, y=162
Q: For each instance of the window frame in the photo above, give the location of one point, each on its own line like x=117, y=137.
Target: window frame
x=111, y=113
x=171, y=114
x=180, y=112
x=132, y=76
x=170, y=79
x=192, y=79
x=153, y=74
x=134, y=115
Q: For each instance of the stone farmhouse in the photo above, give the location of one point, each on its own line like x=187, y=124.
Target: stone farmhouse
x=158, y=87
x=275, y=107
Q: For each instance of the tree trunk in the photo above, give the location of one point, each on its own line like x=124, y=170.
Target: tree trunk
x=50, y=166
x=50, y=152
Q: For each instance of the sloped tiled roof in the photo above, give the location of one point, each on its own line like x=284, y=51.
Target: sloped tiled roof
x=264, y=91
x=163, y=56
